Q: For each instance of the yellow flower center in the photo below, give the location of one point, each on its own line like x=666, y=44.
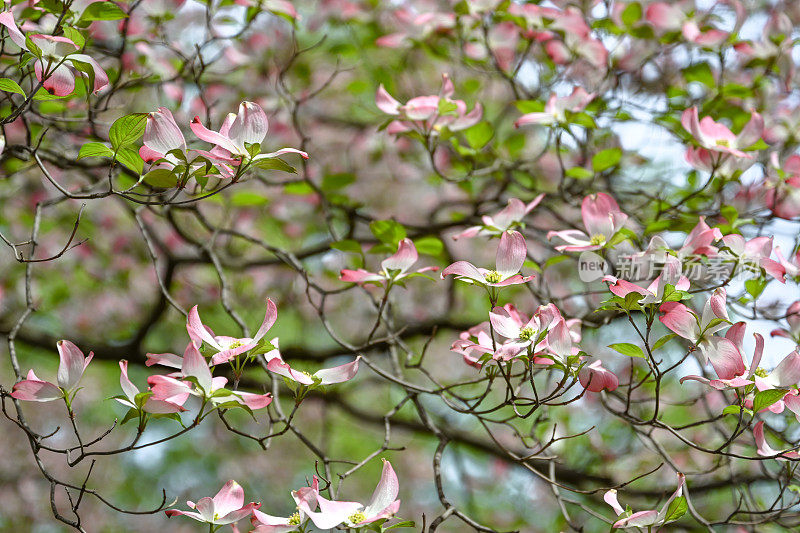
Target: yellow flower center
x=527, y=333
x=294, y=520
x=357, y=518
x=723, y=142
x=493, y=276
x=236, y=344
x=760, y=372
x=597, y=239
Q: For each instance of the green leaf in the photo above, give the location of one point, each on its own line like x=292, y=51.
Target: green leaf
x=248, y=199
x=273, y=163
x=676, y=509
x=700, y=72
x=75, y=36
x=606, y=159
x=447, y=107
x=755, y=286
x=10, y=86
x=529, y=106
x=161, y=177
x=127, y=130
x=663, y=340
x=95, y=149
x=347, y=245
x=101, y=11
x=734, y=410
x=404, y=523
x=131, y=159
x=579, y=173
x=632, y=14
x=479, y=134
x=765, y=398
x=626, y=348
x=388, y=231
x=429, y=245
x=332, y=182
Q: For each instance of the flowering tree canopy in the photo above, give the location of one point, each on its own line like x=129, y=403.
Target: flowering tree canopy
x=456, y=265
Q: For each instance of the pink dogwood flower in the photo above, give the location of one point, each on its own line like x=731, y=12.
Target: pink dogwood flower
x=648, y=518
x=555, y=111
x=685, y=323
x=429, y=113
x=238, y=131
x=227, y=507
x=602, y=219
x=518, y=329
x=699, y=241
x=717, y=137
x=383, y=504
x=793, y=319
x=326, y=376
x=507, y=218
x=229, y=347
x=730, y=367
x=783, y=193
x=594, y=377
x=71, y=366
x=765, y=450
x=151, y=404
x=162, y=135
x=476, y=342
x=655, y=292
x=264, y=523
x=511, y=254
x=208, y=387
x=756, y=251
x=393, y=268
x=56, y=52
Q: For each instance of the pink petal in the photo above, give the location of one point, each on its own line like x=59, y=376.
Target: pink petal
x=128, y=387
x=511, y=253
x=385, y=493
x=358, y=276
x=277, y=366
x=464, y=269
x=229, y=498
x=34, y=389
x=71, y=365
x=7, y=20
x=338, y=374
x=194, y=365
x=269, y=319
x=403, y=259
x=212, y=137
x=250, y=125
x=161, y=133
x=386, y=102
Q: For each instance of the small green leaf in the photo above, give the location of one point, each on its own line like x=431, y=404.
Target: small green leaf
x=101, y=11
x=765, y=398
x=388, y=232
x=95, y=149
x=347, y=245
x=161, y=177
x=479, y=134
x=10, y=86
x=676, y=509
x=626, y=348
x=273, y=163
x=75, y=36
x=127, y=130
x=632, y=14
x=131, y=159
x=699, y=72
x=579, y=173
x=663, y=340
x=606, y=159
x=429, y=245
x=332, y=182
